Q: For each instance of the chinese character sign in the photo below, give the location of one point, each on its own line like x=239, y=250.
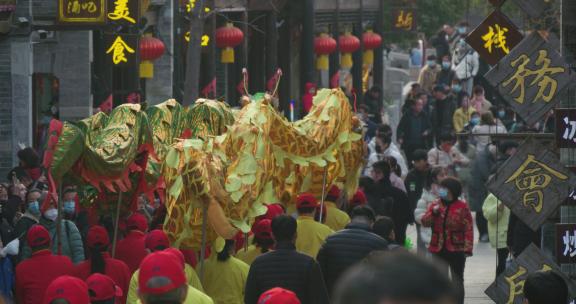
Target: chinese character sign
x=566, y=243
x=509, y=286
x=531, y=77
x=495, y=37
x=532, y=183
x=565, y=128
x=404, y=20
x=121, y=49
x=82, y=11
x=124, y=11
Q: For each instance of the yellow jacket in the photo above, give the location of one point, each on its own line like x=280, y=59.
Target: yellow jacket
x=461, y=118
x=191, y=275
x=311, y=235
x=248, y=256
x=225, y=281
x=336, y=219
x=194, y=296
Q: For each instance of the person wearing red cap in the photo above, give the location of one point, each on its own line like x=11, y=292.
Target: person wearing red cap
x=157, y=241
x=162, y=280
x=103, y=290
x=100, y=261
x=285, y=268
x=263, y=242
x=34, y=275
x=132, y=250
x=224, y=276
x=358, y=199
x=278, y=296
x=336, y=219
x=272, y=211
x=66, y=290
x=311, y=234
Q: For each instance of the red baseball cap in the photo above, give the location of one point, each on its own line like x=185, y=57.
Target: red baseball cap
x=38, y=236
x=306, y=200
x=358, y=199
x=177, y=254
x=278, y=296
x=157, y=239
x=262, y=229
x=97, y=236
x=69, y=288
x=102, y=287
x=334, y=192
x=137, y=222
x=273, y=211
x=160, y=265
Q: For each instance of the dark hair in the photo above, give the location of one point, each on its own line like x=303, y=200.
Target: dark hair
x=418, y=95
x=506, y=145
x=433, y=177
x=284, y=228
x=97, y=261
x=447, y=136
x=306, y=210
x=478, y=90
x=453, y=185
x=264, y=244
x=463, y=143
x=225, y=254
x=545, y=287
x=383, y=227
x=385, y=129
x=431, y=57
x=173, y=296
x=383, y=167
x=363, y=211
x=367, y=184
x=420, y=154
x=487, y=119
x=461, y=97
x=393, y=162
x=395, y=276
x=30, y=157
x=385, y=138
x=35, y=190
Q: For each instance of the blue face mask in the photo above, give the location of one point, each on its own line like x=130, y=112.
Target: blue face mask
x=431, y=63
x=457, y=88
x=69, y=207
x=34, y=207
x=445, y=65
x=501, y=114
x=462, y=30
x=443, y=193
x=474, y=121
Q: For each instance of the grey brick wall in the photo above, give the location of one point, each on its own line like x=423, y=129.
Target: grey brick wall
x=5, y=109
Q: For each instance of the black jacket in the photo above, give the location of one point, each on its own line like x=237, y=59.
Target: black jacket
x=289, y=269
x=415, y=182
x=346, y=248
x=394, y=203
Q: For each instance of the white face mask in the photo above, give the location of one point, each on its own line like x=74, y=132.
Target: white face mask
x=51, y=214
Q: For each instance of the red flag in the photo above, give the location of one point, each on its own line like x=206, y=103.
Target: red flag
x=107, y=105
x=210, y=88
x=335, y=80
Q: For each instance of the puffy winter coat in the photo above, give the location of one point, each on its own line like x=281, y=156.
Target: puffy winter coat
x=71, y=244
x=452, y=227
x=346, y=248
x=428, y=197
x=497, y=221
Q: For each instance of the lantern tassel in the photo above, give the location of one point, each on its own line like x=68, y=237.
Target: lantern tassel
x=146, y=69
x=346, y=61
x=368, y=58
x=227, y=55
x=322, y=62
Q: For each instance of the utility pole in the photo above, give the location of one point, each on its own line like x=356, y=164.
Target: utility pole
x=193, y=54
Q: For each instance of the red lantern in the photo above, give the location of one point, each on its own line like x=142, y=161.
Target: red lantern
x=150, y=49
x=324, y=45
x=371, y=41
x=348, y=45
x=228, y=37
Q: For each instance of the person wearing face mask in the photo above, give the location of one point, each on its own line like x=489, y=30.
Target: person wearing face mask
x=30, y=218
x=474, y=121
x=446, y=155
x=69, y=245
x=429, y=195
x=464, y=113
x=465, y=63
x=428, y=74
x=452, y=230
x=72, y=212
x=446, y=75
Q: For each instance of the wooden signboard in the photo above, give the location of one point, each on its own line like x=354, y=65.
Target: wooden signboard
x=508, y=287
x=122, y=49
x=124, y=12
x=532, y=183
x=531, y=78
x=82, y=12
x=495, y=37
x=565, y=128
x=404, y=19
x=566, y=243
x=534, y=8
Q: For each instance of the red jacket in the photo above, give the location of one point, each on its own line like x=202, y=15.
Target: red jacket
x=452, y=227
x=132, y=250
x=115, y=269
x=34, y=274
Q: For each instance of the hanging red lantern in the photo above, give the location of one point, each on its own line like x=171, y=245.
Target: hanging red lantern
x=324, y=45
x=348, y=45
x=151, y=48
x=371, y=41
x=228, y=37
